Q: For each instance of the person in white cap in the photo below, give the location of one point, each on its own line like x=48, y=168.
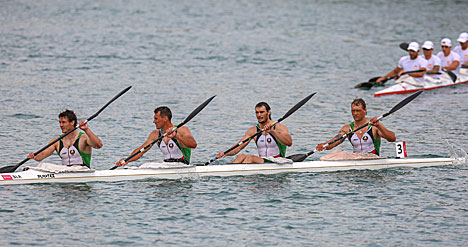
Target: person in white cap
x=408, y=63
x=433, y=62
x=462, y=51
x=449, y=60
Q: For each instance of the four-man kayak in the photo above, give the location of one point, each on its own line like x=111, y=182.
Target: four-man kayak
x=34, y=176
x=404, y=87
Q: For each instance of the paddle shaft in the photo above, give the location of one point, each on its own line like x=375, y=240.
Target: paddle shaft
x=187, y=119
x=13, y=168
x=291, y=111
x=404, y=73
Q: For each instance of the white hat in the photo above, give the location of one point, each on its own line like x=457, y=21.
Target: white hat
x=428, y=45
x=413, y=46
x=463, y=37
x=446, y=42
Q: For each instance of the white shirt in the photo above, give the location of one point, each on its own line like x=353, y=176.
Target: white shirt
x=462, y=53
x=431, y=63
x=407, y=64
x=448, y=60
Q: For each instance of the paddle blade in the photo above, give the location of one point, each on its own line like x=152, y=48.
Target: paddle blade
x=297, y=106
x=297, y=157
x=452, y=75
x=404, y=46
x=8, y=169
x=367, y=84
x=196, y=111
x=403, y=103
x=108, y=103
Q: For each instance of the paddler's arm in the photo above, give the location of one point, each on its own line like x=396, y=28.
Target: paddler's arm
x=390, y=74
x=418, y=74
x=434, y=70
x=92, y=140
x=281, y=133
x=452, y=66
x=251, y=131
x=340, y=134
x=152, y=137
x=46, y=153
x=382, y=131
x=184, y=137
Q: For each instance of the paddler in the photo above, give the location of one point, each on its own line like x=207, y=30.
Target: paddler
x=271, y=143
x=367, y=139
x=409, y=63
x=462, y=51
x=433, y=62
x=449, y=60
x=176, y=146
x=74, y=149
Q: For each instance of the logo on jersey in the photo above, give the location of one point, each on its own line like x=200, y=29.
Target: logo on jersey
x=72, y=151
x=365, y=138
x=269, y=140
x=171, y=145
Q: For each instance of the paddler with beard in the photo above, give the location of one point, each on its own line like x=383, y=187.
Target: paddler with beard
x=271, y=143
x=75, y=148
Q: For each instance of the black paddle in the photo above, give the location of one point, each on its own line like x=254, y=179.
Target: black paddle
x=367, y=84
x=192, y=115
x=7, y=169
x=370, y=83
x=302, y=157
x=291, y=111
x=404, y=46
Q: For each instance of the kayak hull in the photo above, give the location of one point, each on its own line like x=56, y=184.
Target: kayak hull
x=404, y=88
x=194, y=172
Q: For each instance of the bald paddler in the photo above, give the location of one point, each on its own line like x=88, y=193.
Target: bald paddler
x=271, y=142
x=367, y=139
x=176, y=146
x=409, y=63
x=74, y=149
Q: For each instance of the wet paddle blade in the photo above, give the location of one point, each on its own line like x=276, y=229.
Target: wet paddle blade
x=8, y=169
x=297, y=157
x=452, y=75
x=403, y=103
x=404, y=46
x=367, y=84
x=297, y=106
x=196, y=111
x=108, y=103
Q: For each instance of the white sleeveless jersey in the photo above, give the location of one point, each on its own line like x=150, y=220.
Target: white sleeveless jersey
x=70, y=156
x=363, y=145
x=431, y=63
x=267, y=146
x=170, y=150
x=407, y=64
x=448, y=60
x=462, y=53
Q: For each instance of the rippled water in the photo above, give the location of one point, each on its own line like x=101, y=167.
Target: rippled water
x=65, y=54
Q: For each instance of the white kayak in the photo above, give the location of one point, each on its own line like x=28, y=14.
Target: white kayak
x=401, y=87
x=32, y=176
